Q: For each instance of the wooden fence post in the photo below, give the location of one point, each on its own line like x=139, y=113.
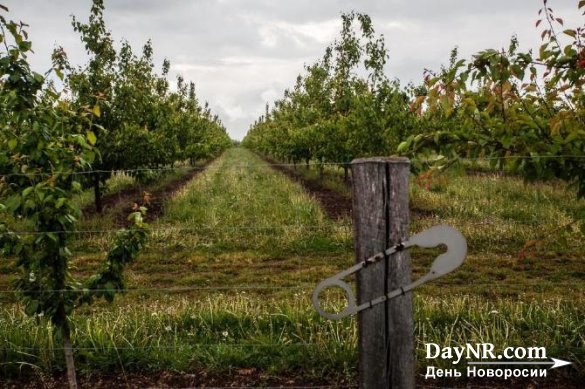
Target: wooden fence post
x=381, y=219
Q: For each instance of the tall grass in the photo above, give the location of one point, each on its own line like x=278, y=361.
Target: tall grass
x=228, y=331
x=220, y=332
x=454, y=321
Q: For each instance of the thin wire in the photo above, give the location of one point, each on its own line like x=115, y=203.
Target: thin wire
x=171, y=290
x=126, y=171
x=532, y=221
x=521, y=157
x=193, y=229
x=183, y=169
x=549, y=283
x=275, y=287
x=187, y=169
x=181, y=347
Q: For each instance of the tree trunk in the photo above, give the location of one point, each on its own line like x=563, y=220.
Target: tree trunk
x=97, y=190
x=71, y=377
x=345, y=173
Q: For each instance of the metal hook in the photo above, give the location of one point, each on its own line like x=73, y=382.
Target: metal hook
x=443, y=264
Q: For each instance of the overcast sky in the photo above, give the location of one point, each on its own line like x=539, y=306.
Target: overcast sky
x=244, y=53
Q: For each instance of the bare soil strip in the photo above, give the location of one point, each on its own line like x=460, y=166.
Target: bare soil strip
x=126, y=198
x=335, y=205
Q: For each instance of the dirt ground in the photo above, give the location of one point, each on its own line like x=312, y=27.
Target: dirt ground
x=135, y=194
x=335, y=205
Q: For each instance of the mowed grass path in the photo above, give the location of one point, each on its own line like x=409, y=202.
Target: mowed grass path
x=525, y=240
x=243, y=225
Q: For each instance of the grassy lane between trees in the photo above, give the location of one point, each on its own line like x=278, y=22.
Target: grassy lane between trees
x=237, y=251
x=231, y=261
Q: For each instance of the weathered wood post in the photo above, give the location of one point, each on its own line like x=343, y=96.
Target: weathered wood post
x=381, y=219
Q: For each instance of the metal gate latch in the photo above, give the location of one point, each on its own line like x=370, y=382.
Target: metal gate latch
x=443, y=264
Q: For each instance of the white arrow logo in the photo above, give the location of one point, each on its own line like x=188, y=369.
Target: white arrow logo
x=554, y=364
x=559, y=363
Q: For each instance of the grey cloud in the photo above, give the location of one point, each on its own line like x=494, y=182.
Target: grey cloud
x=242, y=52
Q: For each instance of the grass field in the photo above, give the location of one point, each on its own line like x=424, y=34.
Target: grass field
x=225, y=281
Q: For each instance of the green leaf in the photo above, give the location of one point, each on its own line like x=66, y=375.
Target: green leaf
x=403, y=146
x=90, y=156
x=59, y=74
x=13, y=203
x=12, y=143
x=27, y=191
x=91, y=138
x=60, y=201
x=25, y=45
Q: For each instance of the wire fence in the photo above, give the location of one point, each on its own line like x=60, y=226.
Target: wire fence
x=183, y=346
x=169, y=290
x=190, y=229
x=280, y=164
x=496, y=220
x=299, y=281
x=308, y=287
x=207, y=228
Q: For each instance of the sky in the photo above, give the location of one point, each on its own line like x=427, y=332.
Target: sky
x=242, y=54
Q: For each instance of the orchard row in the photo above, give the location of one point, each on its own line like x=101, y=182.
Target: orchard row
x=523, y=111
x=113, y=113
